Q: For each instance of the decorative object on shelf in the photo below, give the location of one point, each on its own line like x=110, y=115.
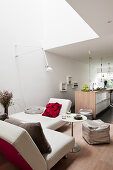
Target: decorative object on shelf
x=69, y=80
x=85, y=88
x=106, y=69
x=63, y=86
x=101, y=69
x=105, y=83
x=74, y=85
x=109, y=68
x=6, y=100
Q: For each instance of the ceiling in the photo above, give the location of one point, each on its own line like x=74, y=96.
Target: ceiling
x=96, y=13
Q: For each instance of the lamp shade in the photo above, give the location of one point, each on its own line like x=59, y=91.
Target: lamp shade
x=48, y=68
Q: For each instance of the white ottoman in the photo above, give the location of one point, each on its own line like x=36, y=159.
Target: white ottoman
x=96, y=131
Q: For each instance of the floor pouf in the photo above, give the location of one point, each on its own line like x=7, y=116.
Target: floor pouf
x=96, y=131
x=86, y=112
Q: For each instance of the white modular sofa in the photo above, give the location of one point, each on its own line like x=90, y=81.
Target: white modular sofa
x=19, y=138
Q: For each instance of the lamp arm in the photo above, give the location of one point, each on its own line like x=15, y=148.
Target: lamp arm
x=45, y=57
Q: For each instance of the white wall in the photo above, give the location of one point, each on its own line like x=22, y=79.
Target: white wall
x=63, y=25
x=20, y=23
x=25, y=76
x=38, y=85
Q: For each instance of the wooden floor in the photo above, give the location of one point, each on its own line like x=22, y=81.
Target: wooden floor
x=98, y=157
x=106, y=115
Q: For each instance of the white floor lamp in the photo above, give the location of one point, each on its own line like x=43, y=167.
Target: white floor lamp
x=48, y=68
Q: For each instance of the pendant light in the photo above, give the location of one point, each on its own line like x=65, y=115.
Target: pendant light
x=101, y=69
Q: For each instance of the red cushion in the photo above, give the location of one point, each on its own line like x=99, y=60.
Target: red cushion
x=52, y=110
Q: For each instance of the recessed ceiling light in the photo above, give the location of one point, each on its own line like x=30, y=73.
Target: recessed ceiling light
x=109, y=21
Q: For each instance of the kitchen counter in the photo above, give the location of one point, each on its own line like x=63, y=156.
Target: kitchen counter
x=99, y=91
x=97, y=101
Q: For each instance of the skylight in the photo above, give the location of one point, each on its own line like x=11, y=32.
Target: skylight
x=63, y=25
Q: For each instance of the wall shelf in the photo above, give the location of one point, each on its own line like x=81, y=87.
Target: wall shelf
x=69, y=80
x=74, y=85
x=63, y=86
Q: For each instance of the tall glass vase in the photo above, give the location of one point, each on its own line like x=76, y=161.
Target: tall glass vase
x=6, y=110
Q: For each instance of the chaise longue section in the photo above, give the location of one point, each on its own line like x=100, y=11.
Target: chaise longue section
x=46, y=122
x=16, y=144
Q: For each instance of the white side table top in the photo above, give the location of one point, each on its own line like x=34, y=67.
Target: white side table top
x=70, y=118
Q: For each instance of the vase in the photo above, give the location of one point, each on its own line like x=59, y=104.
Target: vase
x=6, y=110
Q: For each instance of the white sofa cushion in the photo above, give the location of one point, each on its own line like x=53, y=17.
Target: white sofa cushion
x=21, y=140
x=46, y=122
x=61, y=144
x=66, y=104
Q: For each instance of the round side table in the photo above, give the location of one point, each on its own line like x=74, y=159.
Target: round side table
x=70, y=118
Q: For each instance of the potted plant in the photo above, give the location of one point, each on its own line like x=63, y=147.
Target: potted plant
x=6, y=100
x=85, y=88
